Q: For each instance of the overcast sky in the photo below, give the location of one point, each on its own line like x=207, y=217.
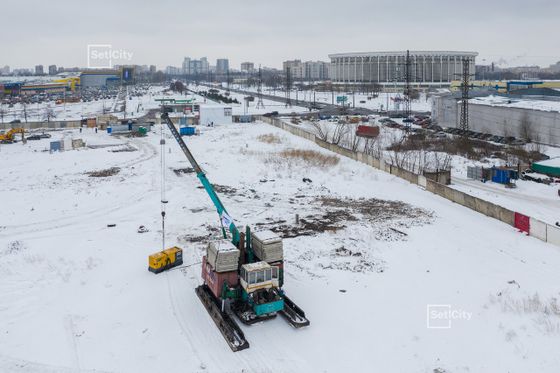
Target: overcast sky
x=162, y=32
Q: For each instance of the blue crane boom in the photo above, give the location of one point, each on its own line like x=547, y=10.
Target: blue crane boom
x=222, y=212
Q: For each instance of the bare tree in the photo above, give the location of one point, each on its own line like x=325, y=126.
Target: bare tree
x=321, y=131
x=352, y=140
x=2, y=113
x=526, y=128
x=340, y=131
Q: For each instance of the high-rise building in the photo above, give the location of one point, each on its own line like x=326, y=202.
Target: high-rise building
x=172, y=70
x=39, y=70
x=5, y=70
x=316, y=70
x=52, y=70
x=388, y=67
x=247, y=67
x=296, y=69
x=222, y=66
x=195, y=67
x=152, y=69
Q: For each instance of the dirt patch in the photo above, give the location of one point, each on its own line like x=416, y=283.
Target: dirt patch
x=310, y=225
x=211, y=232
x=104, y=173
x=182, y=171
x=13, y=247
x=269, y=139
x=310, y=157
x=337, y=213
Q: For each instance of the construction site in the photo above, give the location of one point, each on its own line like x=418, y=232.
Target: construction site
x=123, y=257
x=279, y=187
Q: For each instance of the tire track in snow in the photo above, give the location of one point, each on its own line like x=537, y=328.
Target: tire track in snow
x=149, y=151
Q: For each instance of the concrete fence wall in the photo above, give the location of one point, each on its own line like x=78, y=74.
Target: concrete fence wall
x=537, y=229
x=36, y=125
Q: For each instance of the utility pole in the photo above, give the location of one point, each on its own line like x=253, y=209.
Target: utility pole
x=288, y=87
x=260, y=104
x=227, y=79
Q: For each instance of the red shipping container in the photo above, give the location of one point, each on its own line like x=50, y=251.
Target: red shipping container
x=521, y=222
x=367, y=131
x=215, y=280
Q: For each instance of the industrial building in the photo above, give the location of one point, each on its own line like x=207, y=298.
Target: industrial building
x=100, y=78
x=503, y=116
x=427, y=67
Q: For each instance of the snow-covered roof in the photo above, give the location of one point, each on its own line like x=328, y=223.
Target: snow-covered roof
x=552, y=162
x=542, y=105
x=256, y=266
x=266, y=235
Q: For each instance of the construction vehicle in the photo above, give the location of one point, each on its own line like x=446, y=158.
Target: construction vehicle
x=9, y=137
x=165, y=259
x=253, y=292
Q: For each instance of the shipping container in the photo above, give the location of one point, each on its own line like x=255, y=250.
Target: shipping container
x=215, y=280
x=367, y=131
x=55, y=146
x=500, y=176
x=187, y=131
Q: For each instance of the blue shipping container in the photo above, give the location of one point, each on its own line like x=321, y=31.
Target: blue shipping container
x=55, y=146
x=186, y=131
x=500, y=176
x=109, y=129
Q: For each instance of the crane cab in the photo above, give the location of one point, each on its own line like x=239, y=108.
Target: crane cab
x=259, y=282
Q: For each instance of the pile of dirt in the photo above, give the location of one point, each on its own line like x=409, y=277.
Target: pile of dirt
x=104, y=173
x=329, y=221
x=181, y=171
x=223, y=189
x=211, y=233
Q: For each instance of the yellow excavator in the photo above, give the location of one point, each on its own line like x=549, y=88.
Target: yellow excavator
x=9, y=137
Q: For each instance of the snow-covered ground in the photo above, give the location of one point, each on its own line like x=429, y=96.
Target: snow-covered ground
x=540, y=201
x=383, y=101
x=251, y=109
x=77, y=295
x=136, y=107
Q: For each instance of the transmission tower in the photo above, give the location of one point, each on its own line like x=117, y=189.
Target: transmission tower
x=288, y=87
x=464, y=124
x=407, y=91
x=260, y=104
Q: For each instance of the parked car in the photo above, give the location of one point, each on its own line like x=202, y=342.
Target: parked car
x=439, y=135
x=45, y=135
x=34, y=137
x=518, y=142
